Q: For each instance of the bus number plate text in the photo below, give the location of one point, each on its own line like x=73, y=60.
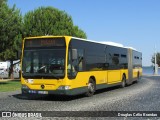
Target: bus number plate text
x=42, y=92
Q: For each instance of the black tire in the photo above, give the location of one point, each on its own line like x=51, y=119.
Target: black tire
x=91, y=88
x=138, y=78
x=123, y=83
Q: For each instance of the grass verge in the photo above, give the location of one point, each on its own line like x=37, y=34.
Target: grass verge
x=12, y=85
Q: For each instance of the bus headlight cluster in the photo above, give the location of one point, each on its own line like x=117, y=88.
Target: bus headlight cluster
x=29, y=81
x=64, y=88
x=25, y=87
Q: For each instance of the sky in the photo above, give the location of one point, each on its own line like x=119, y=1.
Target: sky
x=133, y=23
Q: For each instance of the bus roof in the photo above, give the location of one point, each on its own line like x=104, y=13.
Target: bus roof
x=108, y=43
x=101, y=42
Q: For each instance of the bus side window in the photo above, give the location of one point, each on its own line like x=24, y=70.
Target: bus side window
x=115, y=60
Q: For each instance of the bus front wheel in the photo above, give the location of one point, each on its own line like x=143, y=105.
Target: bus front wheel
x=91, y=88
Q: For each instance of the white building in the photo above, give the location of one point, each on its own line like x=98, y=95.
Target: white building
x=5, y=66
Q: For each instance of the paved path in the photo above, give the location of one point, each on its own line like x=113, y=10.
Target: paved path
x=141, y=96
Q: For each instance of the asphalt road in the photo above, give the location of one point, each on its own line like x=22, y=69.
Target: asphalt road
x=141, y=96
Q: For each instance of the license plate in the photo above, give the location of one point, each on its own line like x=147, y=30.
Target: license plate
x=42, y=92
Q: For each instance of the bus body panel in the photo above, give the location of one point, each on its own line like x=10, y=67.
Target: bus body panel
x=130, y=67
x=114, y=76
x=134, y=65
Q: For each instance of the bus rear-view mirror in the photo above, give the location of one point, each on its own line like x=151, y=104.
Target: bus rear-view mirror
x=74, y=54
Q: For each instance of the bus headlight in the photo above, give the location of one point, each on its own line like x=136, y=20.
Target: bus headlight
x=25, y=87
x=64, y=88
x=29, y=81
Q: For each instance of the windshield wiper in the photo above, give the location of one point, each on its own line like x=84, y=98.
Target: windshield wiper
x=41, y=68
x=56, y=77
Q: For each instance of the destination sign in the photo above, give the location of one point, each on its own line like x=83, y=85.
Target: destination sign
x=45, y=42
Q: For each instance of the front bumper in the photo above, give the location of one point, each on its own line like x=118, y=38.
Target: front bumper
x=75, y=91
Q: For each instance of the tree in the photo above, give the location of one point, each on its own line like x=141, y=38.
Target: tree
x=50, y=21
x=158, y=59
x=10, y=32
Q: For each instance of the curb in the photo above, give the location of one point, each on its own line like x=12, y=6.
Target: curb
x=6, y=80
x=150, y=75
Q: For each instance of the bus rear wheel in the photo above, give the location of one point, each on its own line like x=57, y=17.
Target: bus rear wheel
x=123, y=83
x=91, y=88
x=138, y=78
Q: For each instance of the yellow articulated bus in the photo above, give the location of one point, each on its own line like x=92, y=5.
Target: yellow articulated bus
x=66, y=65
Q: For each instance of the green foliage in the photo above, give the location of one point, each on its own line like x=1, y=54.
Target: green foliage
x=10, y=85
x=158, y=59
x=50, y=21
x=10, y=32
x=40, y=22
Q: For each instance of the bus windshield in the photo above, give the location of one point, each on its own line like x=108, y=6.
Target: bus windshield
x=44, y=63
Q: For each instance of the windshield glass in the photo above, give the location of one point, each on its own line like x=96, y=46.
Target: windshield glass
x=44, y=63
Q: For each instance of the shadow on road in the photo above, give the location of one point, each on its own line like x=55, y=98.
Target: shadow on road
x=47, y=97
